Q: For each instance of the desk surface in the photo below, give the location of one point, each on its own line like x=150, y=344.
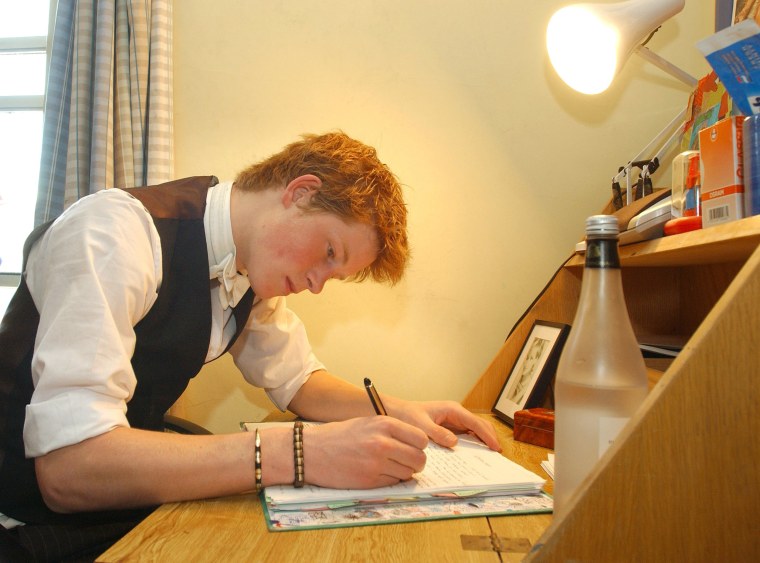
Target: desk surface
x=233, y=529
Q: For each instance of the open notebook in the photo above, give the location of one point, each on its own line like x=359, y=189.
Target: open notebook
x=452, y=478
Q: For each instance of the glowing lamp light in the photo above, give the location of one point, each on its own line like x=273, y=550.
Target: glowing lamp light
x=588, y=44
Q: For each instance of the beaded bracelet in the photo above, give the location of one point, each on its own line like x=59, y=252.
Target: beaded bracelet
x=298, y=454
x=257, y=461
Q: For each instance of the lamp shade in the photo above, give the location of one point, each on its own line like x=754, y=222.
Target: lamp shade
x=589, y=43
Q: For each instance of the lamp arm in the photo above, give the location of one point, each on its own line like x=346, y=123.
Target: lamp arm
x=668, y=67
x=672, y=139
x=670, y=133
x=670, y=130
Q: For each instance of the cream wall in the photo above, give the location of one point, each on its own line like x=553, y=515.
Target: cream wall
x=501, y=161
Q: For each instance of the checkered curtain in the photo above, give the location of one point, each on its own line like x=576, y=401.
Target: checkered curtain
x=108, y=106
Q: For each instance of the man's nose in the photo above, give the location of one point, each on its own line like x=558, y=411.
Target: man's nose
x=317, y=279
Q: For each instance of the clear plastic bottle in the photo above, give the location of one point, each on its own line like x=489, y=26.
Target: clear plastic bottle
x=601, y=377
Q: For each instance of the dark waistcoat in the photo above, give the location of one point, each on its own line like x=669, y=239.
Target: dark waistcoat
x=172, y=340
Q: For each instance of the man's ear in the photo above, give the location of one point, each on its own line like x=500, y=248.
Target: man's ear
x=299, y=190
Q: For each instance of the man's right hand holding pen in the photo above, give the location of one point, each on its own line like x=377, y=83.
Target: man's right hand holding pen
x=361, y=451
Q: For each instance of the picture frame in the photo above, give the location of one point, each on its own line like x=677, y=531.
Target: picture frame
x=532, y=371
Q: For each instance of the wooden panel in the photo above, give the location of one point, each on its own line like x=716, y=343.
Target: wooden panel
x=652, y=297
x=667, y=304
x=701, y=287
x=680, y=484
x=557, y=303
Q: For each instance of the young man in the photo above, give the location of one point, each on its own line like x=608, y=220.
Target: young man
x=129, y=292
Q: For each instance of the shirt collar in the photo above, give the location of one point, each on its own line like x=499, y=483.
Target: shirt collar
x=221, y=246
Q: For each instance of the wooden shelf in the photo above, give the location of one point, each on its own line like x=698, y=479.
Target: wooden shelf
x=671, y=284
x=680, y=482
x=730, y=242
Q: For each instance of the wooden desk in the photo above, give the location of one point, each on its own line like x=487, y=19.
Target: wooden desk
x=233, y=529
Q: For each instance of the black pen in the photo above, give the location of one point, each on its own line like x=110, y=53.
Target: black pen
x=374, y=397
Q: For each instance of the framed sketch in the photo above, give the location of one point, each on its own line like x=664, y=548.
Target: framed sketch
x=533, y=370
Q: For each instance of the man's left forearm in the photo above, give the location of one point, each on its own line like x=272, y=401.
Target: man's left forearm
x=327, y=398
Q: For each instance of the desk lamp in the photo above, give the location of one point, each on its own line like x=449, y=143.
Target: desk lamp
x=588, y=44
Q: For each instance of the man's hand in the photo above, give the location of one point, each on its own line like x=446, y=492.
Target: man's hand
x=363, y=453
x=440, y=420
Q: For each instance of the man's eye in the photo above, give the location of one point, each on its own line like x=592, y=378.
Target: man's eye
x=330, y=252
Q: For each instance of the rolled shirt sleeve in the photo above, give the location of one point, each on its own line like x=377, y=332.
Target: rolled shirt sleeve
x=93, y=276
x=273, y=351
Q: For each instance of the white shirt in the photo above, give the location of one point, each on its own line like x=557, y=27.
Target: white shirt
x=93, y=276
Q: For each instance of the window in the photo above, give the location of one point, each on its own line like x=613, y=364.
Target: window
x=24, y=32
